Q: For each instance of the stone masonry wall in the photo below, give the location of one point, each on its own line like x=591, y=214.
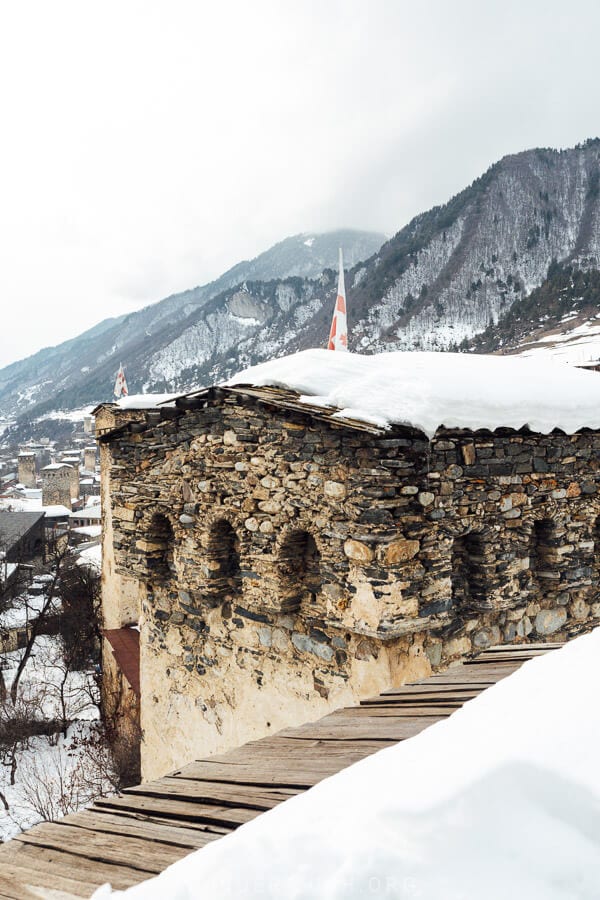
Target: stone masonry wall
x=287, y=565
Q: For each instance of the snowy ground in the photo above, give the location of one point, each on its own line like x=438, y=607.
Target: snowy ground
x=53, y=777
x=428, y=390
x=52, y=774
x=501, y=800
x=575, y=345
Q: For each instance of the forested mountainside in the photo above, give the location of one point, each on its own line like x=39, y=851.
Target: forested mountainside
x=566, y=294
x=82, y=370
x=451, y=274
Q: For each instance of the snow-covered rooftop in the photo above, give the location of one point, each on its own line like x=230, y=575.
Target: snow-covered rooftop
x=91, y=557
x=500, y=800
x=144, y=401
x=87, y=512
x=33, y=505
x=429, y=390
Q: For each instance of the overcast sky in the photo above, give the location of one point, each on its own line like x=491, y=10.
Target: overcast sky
x=147, y=146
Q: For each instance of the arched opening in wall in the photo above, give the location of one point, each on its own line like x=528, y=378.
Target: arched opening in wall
x=542, y=555
x=160, y=543
x=595, y=563
x=468, y=571
x=223, y=562
x=299, y=570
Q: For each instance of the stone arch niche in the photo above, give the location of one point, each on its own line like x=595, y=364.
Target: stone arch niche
x=159, y=548
x=543, y=558
x=299, y=571
x=595, y=562
x=222, y=563
x=469, y=565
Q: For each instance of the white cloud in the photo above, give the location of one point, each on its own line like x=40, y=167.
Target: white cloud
x=147, y=145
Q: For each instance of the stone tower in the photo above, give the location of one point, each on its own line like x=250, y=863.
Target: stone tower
x=27, y=474
x=57, y=479
x=89, y=459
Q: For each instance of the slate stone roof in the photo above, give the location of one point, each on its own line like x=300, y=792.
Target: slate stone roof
x=15, y=525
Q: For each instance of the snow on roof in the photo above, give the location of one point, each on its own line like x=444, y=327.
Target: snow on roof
x=429, y=390
x=33, y=505
x=499, y=800
x=92, y=531
x=87, y=512
x=59, y=465
x=91, y=557
x=56, y=511
x=144, y=401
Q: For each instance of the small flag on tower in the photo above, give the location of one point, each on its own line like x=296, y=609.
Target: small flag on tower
x=338, y=335
x=121, y=383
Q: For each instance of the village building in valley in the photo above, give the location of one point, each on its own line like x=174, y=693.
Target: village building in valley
x=330, y=526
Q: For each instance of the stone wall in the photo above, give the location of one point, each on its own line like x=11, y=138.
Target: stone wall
x=286, y=565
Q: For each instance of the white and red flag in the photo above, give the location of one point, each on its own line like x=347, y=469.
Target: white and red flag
x=338, y=334
x=121, y=383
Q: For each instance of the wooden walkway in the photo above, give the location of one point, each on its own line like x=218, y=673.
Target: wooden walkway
x=132, y=837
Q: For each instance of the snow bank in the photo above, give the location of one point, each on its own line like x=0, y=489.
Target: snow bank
x=428, y=390
x=500, y=800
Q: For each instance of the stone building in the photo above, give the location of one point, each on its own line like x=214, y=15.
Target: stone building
x=57, y=485
x=27, y=469
x=89, y=459
x=281, y=561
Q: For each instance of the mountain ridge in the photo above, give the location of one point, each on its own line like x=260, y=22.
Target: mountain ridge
x=449, y=275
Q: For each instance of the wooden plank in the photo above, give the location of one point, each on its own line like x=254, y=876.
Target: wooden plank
x=134, y=852
x=42, y=865
x=12, y=888
x=179, y=808
x=166, y=832
x=24, y=883
x=423, y=697
x=210, y=793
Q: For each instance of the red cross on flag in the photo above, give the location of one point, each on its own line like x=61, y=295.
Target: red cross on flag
x=121, y=383
x=338, y=335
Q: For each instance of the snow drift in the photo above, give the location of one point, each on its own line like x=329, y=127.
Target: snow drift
x=428, y=390
x=500, y=800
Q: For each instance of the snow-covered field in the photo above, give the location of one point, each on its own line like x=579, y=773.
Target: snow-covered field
x=501, y=800
x=428, y=390
x=575, y=346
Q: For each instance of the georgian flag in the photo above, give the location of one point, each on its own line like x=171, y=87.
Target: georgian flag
x=338, y=335
x=121, y=383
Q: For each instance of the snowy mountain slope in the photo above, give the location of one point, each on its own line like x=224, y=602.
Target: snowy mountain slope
x=559, y=320
x=459, y=268
x=444, y=278
x=85, y=365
